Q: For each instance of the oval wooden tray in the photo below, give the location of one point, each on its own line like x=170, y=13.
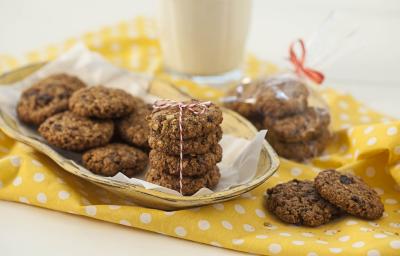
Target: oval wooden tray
x=233, y=124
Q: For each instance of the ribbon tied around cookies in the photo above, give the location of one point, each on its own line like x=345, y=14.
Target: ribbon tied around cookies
x=197, y=108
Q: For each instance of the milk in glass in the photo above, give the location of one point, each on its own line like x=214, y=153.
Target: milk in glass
x=203, y=37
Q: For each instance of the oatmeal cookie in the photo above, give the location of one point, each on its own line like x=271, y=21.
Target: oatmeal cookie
x=279, y=98
x=300, y=127
x=134, y=128
x=46, y=98
x=101, y=102
x=72, y=132
x=190, y=184
x=298, y=202
x=300, y=151
x=242, y=100
x=350, y=193
x=114, y=158
x=198, y=145
x=193, y=165
x=257, y=121
x=165, y=122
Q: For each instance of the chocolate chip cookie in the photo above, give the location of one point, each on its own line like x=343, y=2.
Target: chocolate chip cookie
x=165, y=122
x=133, y=128
x=193, y=165
x=300, y=151
x=300, y=127
x=242, y=100
x=47, y=97
x=114, y=158
x=281, y=96
x=198, y=145
x=72, y=132
x=257, y=121
x=190, y=185
x=299, y=203
x=350, y=193
x=101, y=102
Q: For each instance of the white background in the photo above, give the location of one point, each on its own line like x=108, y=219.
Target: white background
x=371, y=72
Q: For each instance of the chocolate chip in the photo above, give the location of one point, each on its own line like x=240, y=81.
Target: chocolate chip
x=356, y=199
x=345, y=180
x=44, y=99
x=57, y=127
x=64, y=95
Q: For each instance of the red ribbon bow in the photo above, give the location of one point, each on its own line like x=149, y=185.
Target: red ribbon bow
x=298, y=63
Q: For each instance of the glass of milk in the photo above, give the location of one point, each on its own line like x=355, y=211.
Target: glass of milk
x=204, y=40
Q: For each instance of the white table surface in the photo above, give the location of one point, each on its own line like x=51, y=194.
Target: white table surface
x=371, y=72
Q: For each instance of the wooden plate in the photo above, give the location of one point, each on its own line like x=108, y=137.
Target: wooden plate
x=233, y=124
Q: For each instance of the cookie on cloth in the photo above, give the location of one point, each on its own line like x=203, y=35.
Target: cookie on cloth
x=300, y=127
x=46, y=98
x=72, y=132
x=133, y=128
x=198, y=145
x=190, y=185
x=114, y=158
x=299, y=203
x=350, y=193
x=101, y=102
x=165, y=122
x=192, y=165
x=279, y=98
x=303, y=150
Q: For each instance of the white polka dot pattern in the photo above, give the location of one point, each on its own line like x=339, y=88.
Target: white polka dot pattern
x=17, y=181
x=41, y=198
x=125, y=223
x=91, y=210
x=227, y=225
x=23, y=199
x=395, y=244
x=237, y=241
x=145, y=218
x=372, y=141
x=63, y=195
x=295, y=171
x=275, y=248
x=180, y=231
x=204, y=225
x=15, y=161
x=373, y=253
x=243, y=224
x=239, y=209
x=38, y=177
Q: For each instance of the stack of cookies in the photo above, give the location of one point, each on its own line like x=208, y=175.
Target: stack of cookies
x=330, y=195
x=74, y=117
x=296, y=130
x=200, y=131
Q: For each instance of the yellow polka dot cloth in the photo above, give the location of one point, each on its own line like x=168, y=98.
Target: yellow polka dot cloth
x=365, y=143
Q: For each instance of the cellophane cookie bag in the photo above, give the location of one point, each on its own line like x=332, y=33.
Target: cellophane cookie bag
x=295, y=115
x=289, y=104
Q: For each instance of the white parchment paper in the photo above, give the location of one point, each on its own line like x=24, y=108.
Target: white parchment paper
x=240, y=156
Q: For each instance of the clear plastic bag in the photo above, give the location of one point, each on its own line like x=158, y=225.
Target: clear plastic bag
x=295, y=115
x=289, y=104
